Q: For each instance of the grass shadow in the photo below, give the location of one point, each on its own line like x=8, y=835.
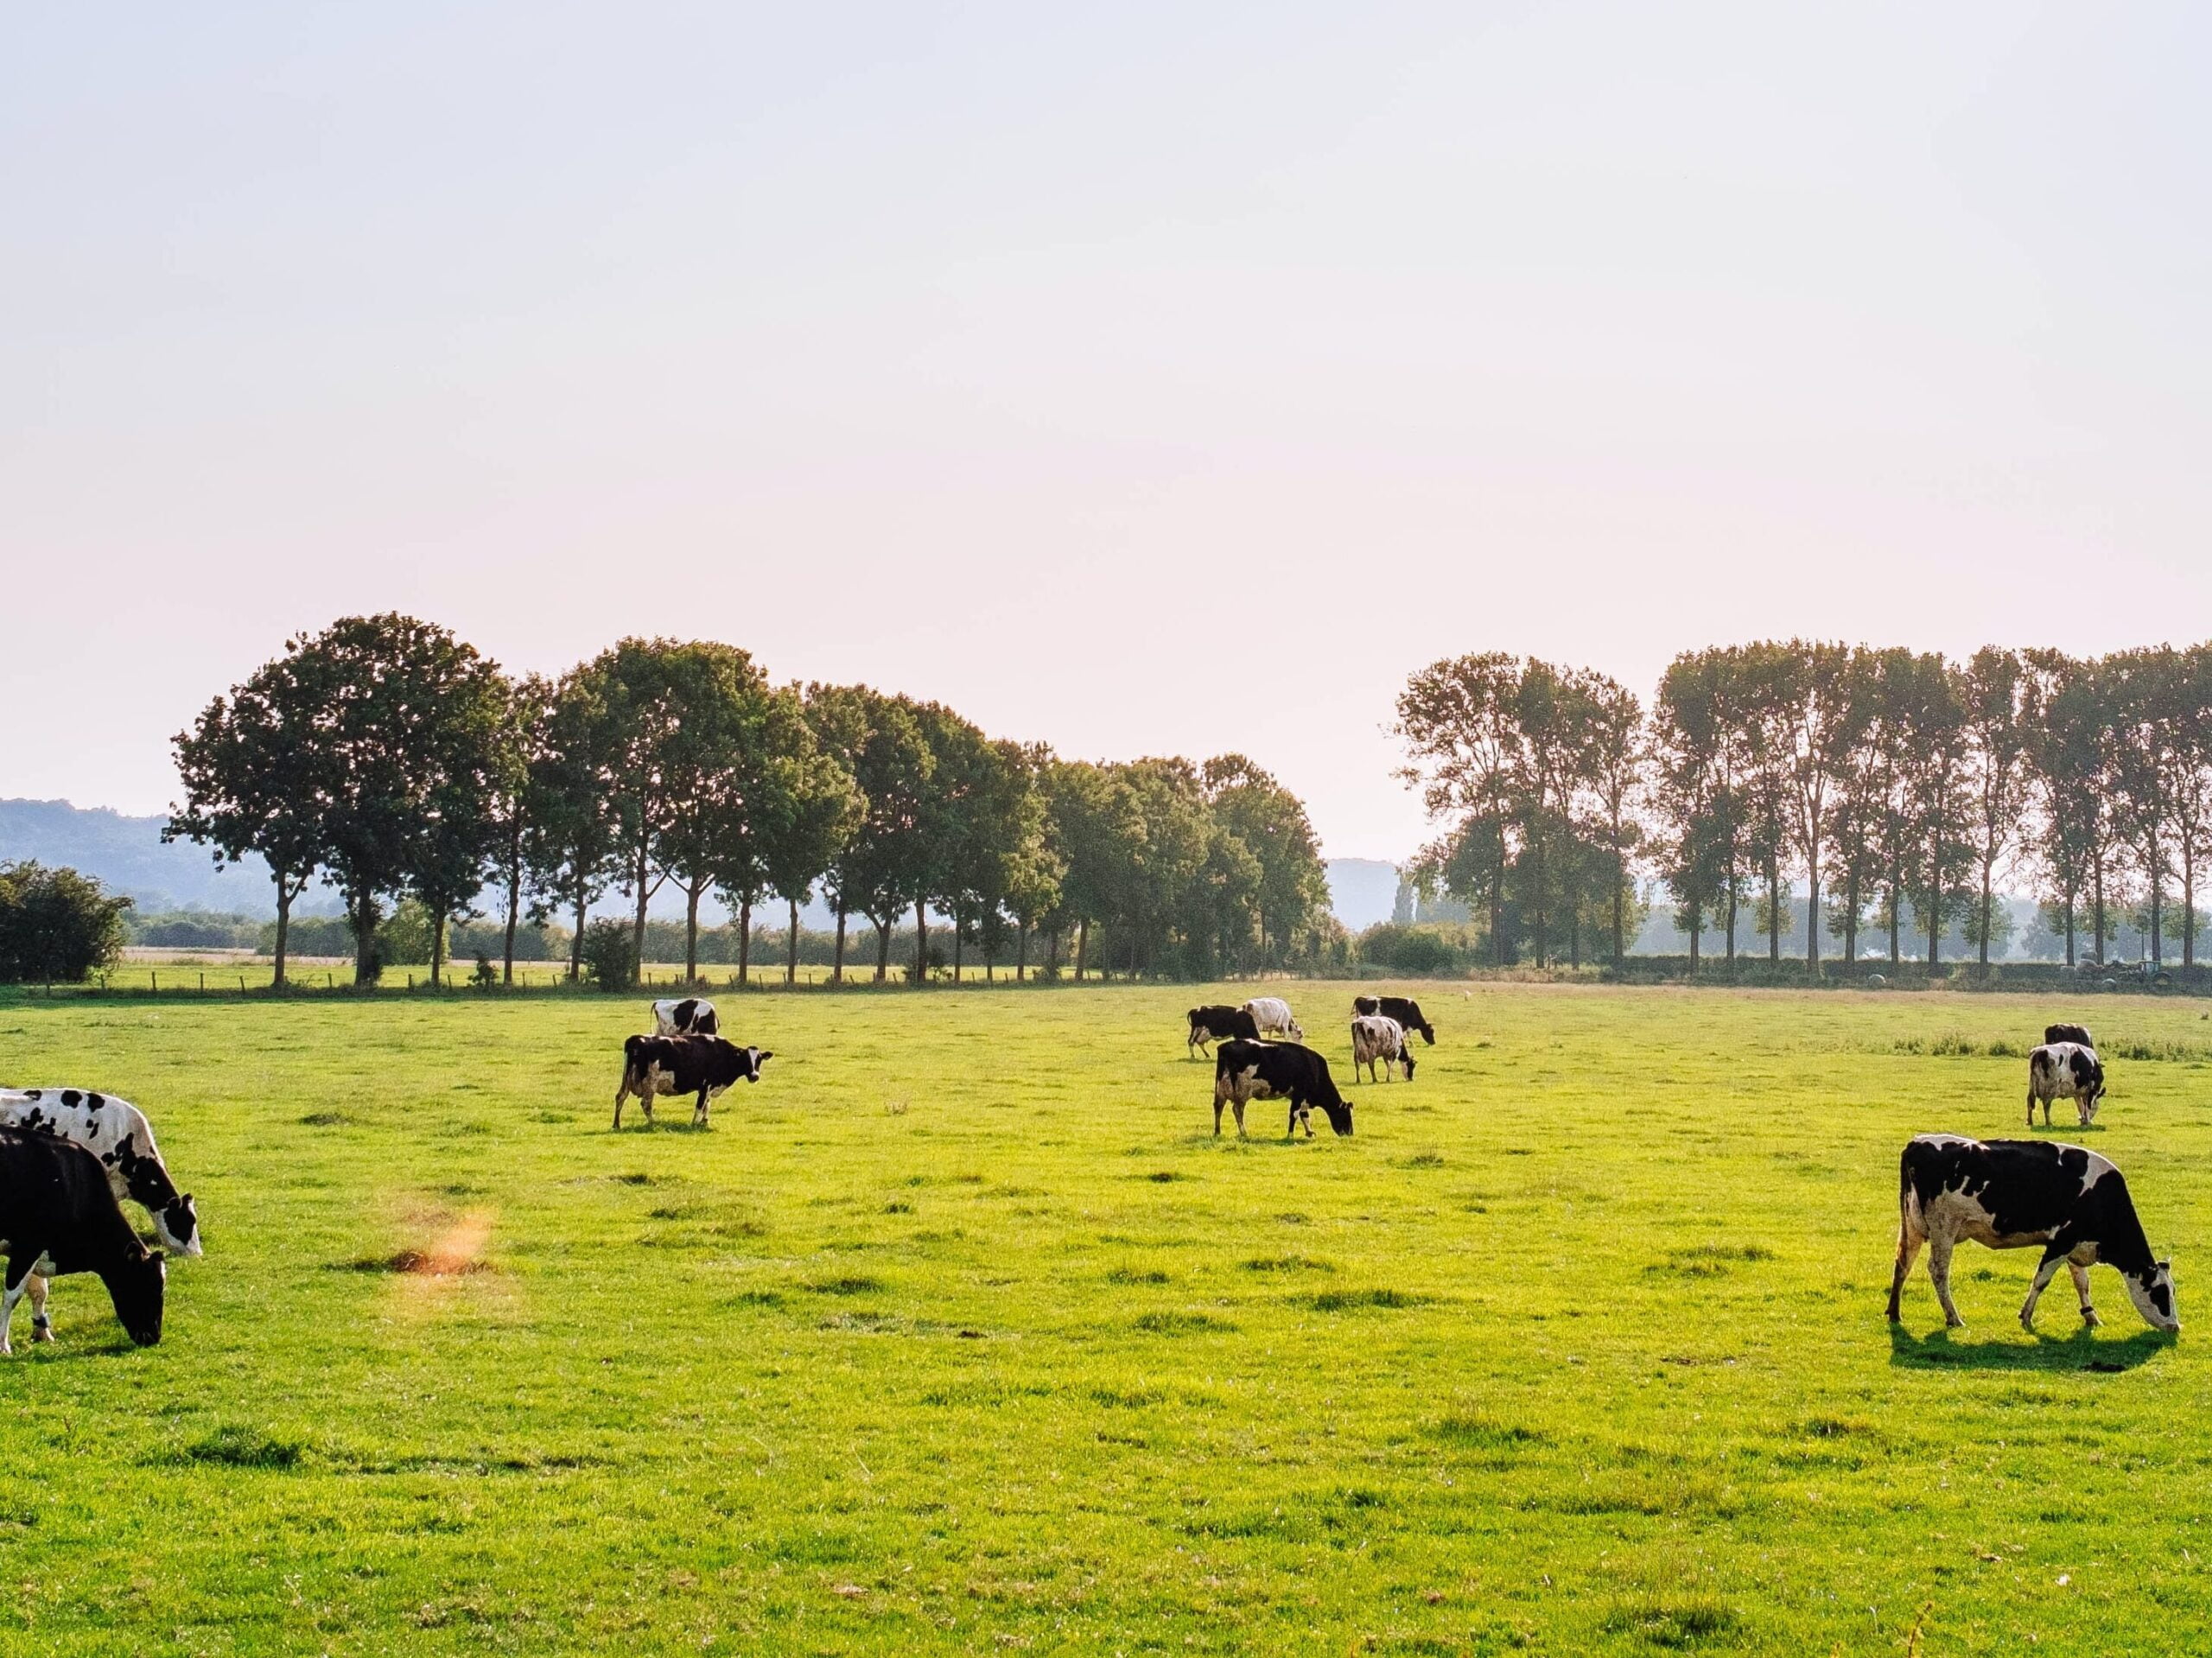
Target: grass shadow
x=2080, y=1350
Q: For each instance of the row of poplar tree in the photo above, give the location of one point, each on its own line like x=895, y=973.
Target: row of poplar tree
x=393, y=760
x=1899, y=785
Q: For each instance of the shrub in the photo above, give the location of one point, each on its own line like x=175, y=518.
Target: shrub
x=55, y=924
x=611, y=955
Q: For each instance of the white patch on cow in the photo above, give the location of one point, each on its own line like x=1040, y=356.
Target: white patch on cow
x=1377, y=1036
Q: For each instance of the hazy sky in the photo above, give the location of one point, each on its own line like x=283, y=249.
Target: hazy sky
x=1144, y=377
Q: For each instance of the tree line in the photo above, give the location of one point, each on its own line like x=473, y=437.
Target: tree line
x=1899, y=787
x=395, y=761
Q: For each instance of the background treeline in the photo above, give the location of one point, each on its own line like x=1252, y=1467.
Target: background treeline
x=1897, y=787
x=56, y=925
x=396, y=762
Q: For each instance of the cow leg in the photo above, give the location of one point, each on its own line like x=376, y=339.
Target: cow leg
x=1216, y=1119
x=1240, y=1119
x=2031, y=1107
x=2081, y=1291
x=19, y=1272
x=1939, y=1273
x=1910, y=1238
x=620, y=1094
x=2046, y=1269
x=43, y=1327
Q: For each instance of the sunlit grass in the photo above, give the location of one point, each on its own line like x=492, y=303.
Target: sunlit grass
x=963, y=1333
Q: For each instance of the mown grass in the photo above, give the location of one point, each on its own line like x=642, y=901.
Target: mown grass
x=1577, y=1346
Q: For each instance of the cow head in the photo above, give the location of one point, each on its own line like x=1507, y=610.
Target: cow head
x=758, y=1057
x=2153, y=1295
x=177, y=1225
x=137, y=1287
x=1339, y=1115
x=1405, y=1058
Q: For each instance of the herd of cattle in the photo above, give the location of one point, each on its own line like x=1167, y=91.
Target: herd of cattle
x=69, y=1158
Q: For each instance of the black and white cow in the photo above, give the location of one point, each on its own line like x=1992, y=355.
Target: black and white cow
x=1215, y=1022
x=692, y=1016
x=1272, y=1015
x=1245, y=1070
x=1404, y=1009
x=704, y=1065
x=58, y=1216
x=2010, y=1194
x=2068, y=1034
x=1376, y=1037
x=116, y=1132
x=2065, y=1071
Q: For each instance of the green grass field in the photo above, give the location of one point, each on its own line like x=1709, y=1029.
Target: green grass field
x=963, y=1333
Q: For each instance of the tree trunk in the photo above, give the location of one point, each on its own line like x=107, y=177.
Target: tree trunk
x=791, y=939
x=437, y=947
x=2069, y=929
x=1896, y=915
x=638, y=932
x=744, y=942
x=1697, y=926
x=514, y=919
x=1982, y=955
x=1020, y=952
x=2097, y=874
x=1732, y=913
x=837, y=962
x=956, y=949
x=1620, y=899
x=577, y=939
x=921, y=945
x=283, y=927
x=1082, y=945
x=1935, y=915
x=2151, y=862
x=2188, y=908
x=691, y=934
x=1813, y=915
x=882, y=950
x=1498, y=903
x=1774, y=911
x=1851, y=918
x=365, y=939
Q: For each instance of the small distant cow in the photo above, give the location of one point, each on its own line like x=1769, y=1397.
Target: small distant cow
x=1245, y=1070
x=1404, y=1009
x=1373, y=1038
x=58, y=1216
x=1272, y=1015
x=2065, y=1071
x=693, y=1016
x=116, y=1132
x=2011, y=1193
x=2068, y=1034
x=1215, y=1022
x=703, y=1066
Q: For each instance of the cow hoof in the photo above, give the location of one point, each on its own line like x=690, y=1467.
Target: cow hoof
x=2089, y=1317
x=41, y=1333
x=2027, y=1323
x=1954, y=1323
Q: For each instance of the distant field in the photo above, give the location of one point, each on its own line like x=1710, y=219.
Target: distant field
x=962, y=1333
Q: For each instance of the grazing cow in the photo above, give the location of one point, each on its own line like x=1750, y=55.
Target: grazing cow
x=1404, y=1009
x=693, y=1016
x=2065, y=1071
x=704, y=1065
x=117, y=1132
x=1272, y=1015
x=1216, y=1021
x=2068, y=1034
x=1244, y=1069
x=2011, y=1193
x=1373, y=1038
x=58, y=1216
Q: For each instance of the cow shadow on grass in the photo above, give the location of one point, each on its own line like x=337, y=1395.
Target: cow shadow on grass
x=1954, y=1349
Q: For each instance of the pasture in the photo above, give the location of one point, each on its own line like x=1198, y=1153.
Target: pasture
x=962, y=1333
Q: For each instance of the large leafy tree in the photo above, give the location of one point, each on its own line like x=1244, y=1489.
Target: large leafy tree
x=1290, y=884
x=1998, y=697
x=573, y=840
x=880, y=742
x=252, y=770
x=401, y=742
x=1459, y=721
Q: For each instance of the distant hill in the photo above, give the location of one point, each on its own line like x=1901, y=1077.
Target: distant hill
x=1361, y=891
x=127, y=854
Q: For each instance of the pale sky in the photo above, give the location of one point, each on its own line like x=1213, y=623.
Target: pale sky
x=1146, y=379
